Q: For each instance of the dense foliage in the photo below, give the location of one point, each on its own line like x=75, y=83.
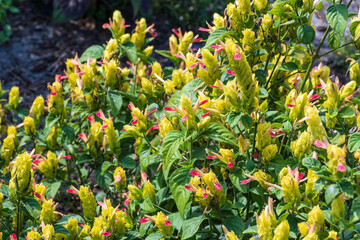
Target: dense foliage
x=242, y=139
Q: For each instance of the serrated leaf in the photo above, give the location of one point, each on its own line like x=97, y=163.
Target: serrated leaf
x=289, y=66
x=354, y=142
x=181, y=195
x=115, y=100
x=94, y=52
x=218, y=132
x=334, y=40
x=305, y=33
x=215, y=35
x=170, y=145
x=191, y=226
x=130, y=50
x=331, y=192
x=337, y=16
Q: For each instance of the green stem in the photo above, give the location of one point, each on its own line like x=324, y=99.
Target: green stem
x=147, y=140
x=5, y=226
x=273, y=71
x=333, y=50
x=253, y=148
x=315, y=56
x=18, y=219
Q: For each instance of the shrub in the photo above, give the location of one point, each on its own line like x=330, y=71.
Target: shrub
x=243, y=139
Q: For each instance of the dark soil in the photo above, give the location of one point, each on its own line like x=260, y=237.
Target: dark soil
x=38, y=48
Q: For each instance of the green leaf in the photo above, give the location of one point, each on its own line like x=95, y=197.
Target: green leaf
x=251, y=230
x=289, y=66
x=181, y=195
x=170, y=146
x=233, y=119
x=247, y=121
x=218, y=132
x=236, y=224
x=337, y=17
x=331, y=192
x=128, y=161
x=61, y=229
x=130, y=50
x=347, y=112
x=155, y=236
x=147, y=205
x=354, y=142
x=334, y=40
x=33, y=207
x=52, y=189
x=348, y=189
x=311, y=163
x=105, y=166
x=67, y=134
x=353, y=27
x=306, y=34
x=168, y=55
x=215, y=35
x=94, y=52
x=115, y=100
x=191, y=226
x=186, y=91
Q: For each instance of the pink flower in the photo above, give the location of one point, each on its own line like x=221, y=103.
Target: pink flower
x=129, y=106
x=106, y=234
x=102, y=204
x=37, y=161
x=53, y=93
x=105, y=25
x=152, y=110
x=71, y=191
x=212, y=86
x=203, y=102
x=198, y=40
x=320, y=144
x=301, y=175
x=217, y=185
x=205, y=115
x=144, y=220
x=237, y=56
x=154, y=127
x=210, y=157
x=176, y=32
x=184, y=118
x=81, y=224
x=256, y=155
x=127, y=201
x=218, y=47
x=205, y=195
x=67, y=157
x=134, y=122
x=246, y=181
x=103, y=127
x=195, y=173
x=314, y=97
x=230, y=165
x=230, y=72
x=177, y=56
x=204, y=29
x=193, y=65
x=37, y=195
x=169, y=109
x=167, y=222
x=314, y=155
x=341, y=167
x=319, y=86
x=36, y=156
x=290, y=105
x=118, y=178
